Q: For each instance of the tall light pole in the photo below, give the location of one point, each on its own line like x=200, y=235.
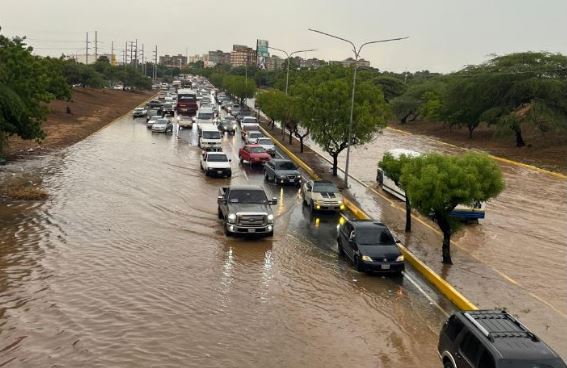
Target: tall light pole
x=356, y=51
x=289, y=55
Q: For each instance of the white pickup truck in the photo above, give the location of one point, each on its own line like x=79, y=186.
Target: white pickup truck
x=216, y=163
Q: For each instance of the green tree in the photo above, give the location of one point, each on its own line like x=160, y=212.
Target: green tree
x=422, y=99
x=393, y=168
x=239, y=87
x=511, y=91
x=27, y=84
x=437, y=183
x=325, y=103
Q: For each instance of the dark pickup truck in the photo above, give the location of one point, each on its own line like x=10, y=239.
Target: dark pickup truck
x=245, y=209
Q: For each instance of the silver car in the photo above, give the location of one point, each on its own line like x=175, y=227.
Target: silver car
x=268, y=145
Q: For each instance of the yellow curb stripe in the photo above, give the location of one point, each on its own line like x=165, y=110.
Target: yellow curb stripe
x=434, y=279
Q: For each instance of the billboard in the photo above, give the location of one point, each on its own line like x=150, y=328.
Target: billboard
x=262, y=53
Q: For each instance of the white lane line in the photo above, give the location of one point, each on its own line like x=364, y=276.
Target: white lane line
x=411, y=279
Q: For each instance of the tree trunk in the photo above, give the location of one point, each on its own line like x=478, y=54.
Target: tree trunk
x=335, y=163
x=290, y=133
x=408, y=215
x=471, y=130
x=519, y=139
x=301, y=144
x=445, y=227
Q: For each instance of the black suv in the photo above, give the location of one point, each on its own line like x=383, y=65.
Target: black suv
x=370, y=246
x=492, y=339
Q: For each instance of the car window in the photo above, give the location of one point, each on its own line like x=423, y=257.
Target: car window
x=470, y=348
x=211, y=135
x=374, y=236
x=325, y=188
x=286, y=166
x=454, y=328
x=217, y=158
x=256, y=149
x=248, y=196
x=486, y=360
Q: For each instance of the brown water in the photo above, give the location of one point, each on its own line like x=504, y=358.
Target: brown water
x=126, y=265
x=516, y=257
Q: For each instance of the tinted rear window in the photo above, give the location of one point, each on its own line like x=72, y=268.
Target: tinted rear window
x=286, y=166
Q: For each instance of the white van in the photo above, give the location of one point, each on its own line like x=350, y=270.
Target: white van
x=204, y=116
x=463, y=212
x=210, y=138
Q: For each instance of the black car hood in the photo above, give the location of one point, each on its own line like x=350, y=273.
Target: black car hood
x=390, y=252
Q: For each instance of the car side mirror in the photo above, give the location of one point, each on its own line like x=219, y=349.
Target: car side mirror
x=229, y=160
x=221, y=199
x=274, y=201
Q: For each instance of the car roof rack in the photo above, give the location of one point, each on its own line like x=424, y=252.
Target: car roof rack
x=498, y=324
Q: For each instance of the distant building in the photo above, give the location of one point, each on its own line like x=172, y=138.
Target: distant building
x=218, y=57
x=350, y=61
x=242, y=55
x=274, y=62
x=312, y=63
x=173, y=61
x=195, y=58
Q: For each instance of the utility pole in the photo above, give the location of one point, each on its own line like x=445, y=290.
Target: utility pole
x=136, y=63
x=155, y=64
x=126, y=53
x=131, y=51
x=95, y=45
x=87, y=50
x=111, y=52
x=143, y=61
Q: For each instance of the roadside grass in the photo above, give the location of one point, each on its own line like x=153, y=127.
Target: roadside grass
x=24, y=188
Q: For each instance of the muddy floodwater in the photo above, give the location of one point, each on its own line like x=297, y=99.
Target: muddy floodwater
x=126, y=265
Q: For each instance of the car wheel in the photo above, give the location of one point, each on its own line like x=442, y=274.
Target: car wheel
x=241, y=160
x=226, y=232
x=270, y=234
x=266, y=176
x=448, y=364
x=312, y=205
x=340, y=247
x=358, y=264
x=219, y=213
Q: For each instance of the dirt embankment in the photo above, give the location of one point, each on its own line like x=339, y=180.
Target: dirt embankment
x=547, y=151
x=89, y=110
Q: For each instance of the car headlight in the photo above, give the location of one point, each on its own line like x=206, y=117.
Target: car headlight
x=400, y=258
x=271, y=218
x=231, y=217
x=366, y=259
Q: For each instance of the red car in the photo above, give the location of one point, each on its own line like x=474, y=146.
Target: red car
x=254, y=154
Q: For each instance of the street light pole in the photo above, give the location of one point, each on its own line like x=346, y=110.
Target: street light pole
x=356, y=51
x=288, y=56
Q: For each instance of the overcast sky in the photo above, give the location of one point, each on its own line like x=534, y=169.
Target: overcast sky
x=444, y=35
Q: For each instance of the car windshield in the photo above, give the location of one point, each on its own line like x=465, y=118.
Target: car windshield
x=256, y=149
x=211, y=135
x=325, y=188
x=228, y=122
x=186, y=97
x=286, y=165
x=255, y=134
x=217, y=158
x=374, y=236
x=162, y=121
x=265, y=141
x=248, y=196
x=205, y=115
x=249, y=120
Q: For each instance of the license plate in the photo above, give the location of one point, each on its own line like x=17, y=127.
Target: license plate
x=385, y=266
x=219, y=171
x=251, y=230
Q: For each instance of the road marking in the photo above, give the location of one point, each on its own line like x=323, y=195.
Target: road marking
x=414, y=282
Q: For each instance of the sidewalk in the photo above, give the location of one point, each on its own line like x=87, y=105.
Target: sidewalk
x=480, y=282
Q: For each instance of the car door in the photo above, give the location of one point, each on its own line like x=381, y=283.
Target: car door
x=245, y=155
x=307, y=190
x=347, y=243
x=469, y=351
x=204, y=160
x=270, y=169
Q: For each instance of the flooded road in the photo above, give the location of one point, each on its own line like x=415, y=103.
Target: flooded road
x=517, y=255
x=126, y=265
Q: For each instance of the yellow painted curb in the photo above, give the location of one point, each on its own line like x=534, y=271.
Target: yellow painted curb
x=498, y=158
x=434, y=279
x=299, y=162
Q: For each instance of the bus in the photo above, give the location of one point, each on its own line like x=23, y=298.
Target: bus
x=186, y=102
